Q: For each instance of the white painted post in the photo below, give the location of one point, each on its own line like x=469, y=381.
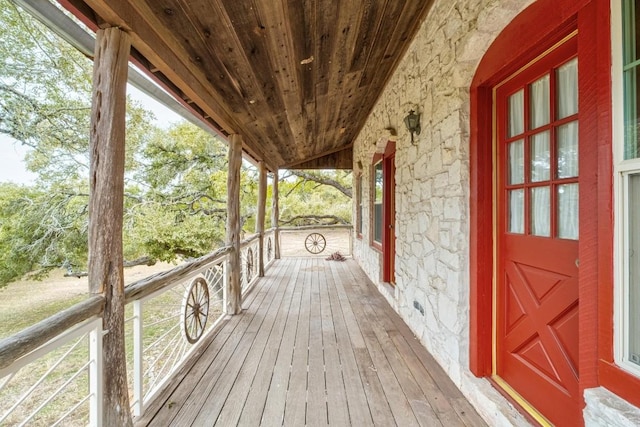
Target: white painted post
x=275, y=214
x=138, y=369
x=351, y=241
x=225, y=284
x=95, y=376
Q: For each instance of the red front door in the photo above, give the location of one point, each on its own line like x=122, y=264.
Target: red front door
x=536, y=313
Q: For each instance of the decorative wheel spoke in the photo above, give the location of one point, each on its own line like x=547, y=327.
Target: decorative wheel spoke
x=315, y=243
x=195, y=309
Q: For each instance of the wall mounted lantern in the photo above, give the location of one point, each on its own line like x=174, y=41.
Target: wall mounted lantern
x=412, y=121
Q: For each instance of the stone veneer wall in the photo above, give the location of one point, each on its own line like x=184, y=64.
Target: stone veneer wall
x=432, y=186
x=432, y=197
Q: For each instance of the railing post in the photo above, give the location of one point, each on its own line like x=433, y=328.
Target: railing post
x=225, y=285
x=262, y=198
x=275, y=215
x=351, y=241
x=138, y=369
x=233, y=223
x=106, y=200
x=95, y=376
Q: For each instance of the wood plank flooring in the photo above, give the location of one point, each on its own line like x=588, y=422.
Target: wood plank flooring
x=315, y=345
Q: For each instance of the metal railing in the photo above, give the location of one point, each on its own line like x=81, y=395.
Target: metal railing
x=51, y=372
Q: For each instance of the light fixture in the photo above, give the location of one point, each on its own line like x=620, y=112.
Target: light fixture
x=412, y=121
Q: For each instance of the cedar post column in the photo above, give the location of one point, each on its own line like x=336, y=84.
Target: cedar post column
x=275, y=216
x=234, y=300
x=262, y=201
x=107, y=142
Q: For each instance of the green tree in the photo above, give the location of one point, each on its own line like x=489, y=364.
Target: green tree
x=175, y=187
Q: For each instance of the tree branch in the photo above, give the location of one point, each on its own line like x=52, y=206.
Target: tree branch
x=318, y=220
x=324, y=181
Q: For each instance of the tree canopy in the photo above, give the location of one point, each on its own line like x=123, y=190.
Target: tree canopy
x=175, y=186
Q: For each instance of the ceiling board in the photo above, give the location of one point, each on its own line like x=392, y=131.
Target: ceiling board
x=297, y=78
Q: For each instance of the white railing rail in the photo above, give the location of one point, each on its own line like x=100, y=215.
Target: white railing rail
x=249, y=262
x=171, y=314
x=30, y=386
x=165, y=324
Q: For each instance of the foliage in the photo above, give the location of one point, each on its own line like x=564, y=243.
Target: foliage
x=307, y=196
x=175, y=187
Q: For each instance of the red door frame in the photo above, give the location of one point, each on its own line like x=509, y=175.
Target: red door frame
x=532, y=32
x=389, y=216
x=388, y=247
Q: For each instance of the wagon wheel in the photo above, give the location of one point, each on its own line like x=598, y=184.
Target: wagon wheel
x=315, y=243
x=249, y=265
x=269, y=249
x=195, y=309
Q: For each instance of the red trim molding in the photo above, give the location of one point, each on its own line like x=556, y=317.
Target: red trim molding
x=532, y=32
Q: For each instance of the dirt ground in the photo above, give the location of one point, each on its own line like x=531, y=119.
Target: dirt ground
x=29, y=301
x=26, y=302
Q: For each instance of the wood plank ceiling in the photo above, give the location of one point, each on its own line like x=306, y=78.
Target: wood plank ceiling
x=296, y=78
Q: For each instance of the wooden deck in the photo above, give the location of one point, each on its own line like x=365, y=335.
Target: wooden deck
x=316, y=345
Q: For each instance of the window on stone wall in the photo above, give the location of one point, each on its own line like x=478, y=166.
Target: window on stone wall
x=378, y=191
x=629, y=175
x=359, y=205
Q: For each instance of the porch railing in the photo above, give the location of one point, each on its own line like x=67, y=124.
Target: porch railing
x=51, y=372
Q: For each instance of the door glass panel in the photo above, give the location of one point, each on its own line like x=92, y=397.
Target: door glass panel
x=567, y=90
x=540, y=157
x=516, y=113
x=634, y=268
x=539, y=102
x=516, y=162
x=568, y=150
x=568, y=211
x=516, y=211
x=540, y=211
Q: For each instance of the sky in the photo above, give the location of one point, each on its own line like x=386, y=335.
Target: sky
x=12, y=167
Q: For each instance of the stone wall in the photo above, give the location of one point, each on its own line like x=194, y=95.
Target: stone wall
x=432, y=186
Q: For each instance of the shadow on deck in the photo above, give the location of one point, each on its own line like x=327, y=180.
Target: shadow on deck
x=316, y=344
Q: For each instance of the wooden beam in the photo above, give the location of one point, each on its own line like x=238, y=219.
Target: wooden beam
x=107, y=145
x=262, y=199
x=234, y=300
x=14, y=347
x=275, y=215
x=335, y=159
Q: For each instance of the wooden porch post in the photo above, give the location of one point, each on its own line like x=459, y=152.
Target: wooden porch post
x=107, y=144
x=262, y=200
x=233, y=224
x=275, y=215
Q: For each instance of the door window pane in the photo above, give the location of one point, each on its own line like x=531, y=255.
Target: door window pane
x=568, y=211
x=540, y=211
x=630, y=78
x=516, y=113
x=540, y=157
x=567, y=90
x=516, y=211
x=568, y=150
x=539, y=102
x=516, y=162
x=377, y=202
x=634, y=268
